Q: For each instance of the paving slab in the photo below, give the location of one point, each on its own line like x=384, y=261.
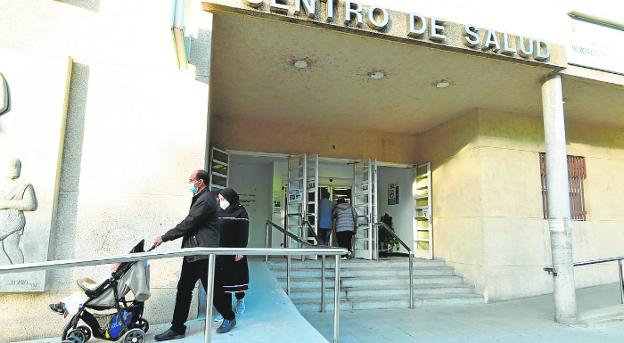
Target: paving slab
x=527, y=320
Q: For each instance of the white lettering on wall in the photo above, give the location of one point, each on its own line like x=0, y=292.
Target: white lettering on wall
x=419, y=27
x=471, y=35
x=377, y=18
x=436, y=32
x=308, y=5
x=353, y=8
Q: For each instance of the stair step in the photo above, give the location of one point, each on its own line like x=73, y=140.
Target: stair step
x=362, y=303
x=392, y=272
x=345, y=293
x=371, y=281
x=356, y=263
x=366, y=284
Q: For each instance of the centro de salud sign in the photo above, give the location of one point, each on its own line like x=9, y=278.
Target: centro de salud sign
x=419, y=27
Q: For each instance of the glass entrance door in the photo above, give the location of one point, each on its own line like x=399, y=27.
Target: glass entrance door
x=364, y=194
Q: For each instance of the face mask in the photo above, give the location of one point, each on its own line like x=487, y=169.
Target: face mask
x=224, y=204
x=193, y=188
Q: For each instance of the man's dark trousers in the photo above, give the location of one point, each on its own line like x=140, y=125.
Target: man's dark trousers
x=191, y=272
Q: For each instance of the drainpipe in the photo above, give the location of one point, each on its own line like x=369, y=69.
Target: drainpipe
x=559, y=223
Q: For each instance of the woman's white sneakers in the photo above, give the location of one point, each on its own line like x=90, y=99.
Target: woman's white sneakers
x=240, y=306
x=239, y=309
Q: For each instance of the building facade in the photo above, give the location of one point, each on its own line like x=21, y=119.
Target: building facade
x=113, y=104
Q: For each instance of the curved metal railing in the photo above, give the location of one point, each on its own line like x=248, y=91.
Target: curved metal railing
x=269, y=239
x=552, y=270
x=411, y=257
x=210, y=252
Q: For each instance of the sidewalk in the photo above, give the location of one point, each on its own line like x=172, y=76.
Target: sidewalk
x=527, y=320
x=272, y=318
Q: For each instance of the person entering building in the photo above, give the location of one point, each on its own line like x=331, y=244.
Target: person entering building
x=345, y=218
x=325, y=218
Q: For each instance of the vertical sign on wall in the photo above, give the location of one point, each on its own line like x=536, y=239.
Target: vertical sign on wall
x=393, y=194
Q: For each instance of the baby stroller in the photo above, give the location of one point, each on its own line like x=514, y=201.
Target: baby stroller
x=107, y=312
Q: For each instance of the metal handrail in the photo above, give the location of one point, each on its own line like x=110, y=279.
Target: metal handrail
x=311, y=229
x=269, y=240
x=553, y=271
x=316, y=237
x=411, y=258
x=210, y=252
x=292, y=236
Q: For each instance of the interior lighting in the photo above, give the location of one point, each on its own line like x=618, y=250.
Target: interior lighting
x=442, y=83
x=376, y=75
x=301, y=63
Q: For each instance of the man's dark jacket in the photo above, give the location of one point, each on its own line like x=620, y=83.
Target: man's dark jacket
x=199, y=228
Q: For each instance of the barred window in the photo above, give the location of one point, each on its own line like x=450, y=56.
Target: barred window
x=576, y=175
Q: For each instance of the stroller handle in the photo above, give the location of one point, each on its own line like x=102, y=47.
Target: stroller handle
x=152, y=247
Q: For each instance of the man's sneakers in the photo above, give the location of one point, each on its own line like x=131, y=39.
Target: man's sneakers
x=240, y=306
x=218, y=318
x=168, y=335
x=226, y=326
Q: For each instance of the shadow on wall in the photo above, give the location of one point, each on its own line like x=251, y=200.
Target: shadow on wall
x=62, y=244
x=91, y=5
x=200, y=55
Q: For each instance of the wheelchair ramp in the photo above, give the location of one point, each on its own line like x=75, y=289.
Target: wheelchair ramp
x=270, y=316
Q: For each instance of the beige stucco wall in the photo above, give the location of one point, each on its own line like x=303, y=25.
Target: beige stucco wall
x=456, y=194
x=488, y=220
x=136, y=127
x=250, y=134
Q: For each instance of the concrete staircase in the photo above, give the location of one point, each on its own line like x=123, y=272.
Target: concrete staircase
x=374, y=284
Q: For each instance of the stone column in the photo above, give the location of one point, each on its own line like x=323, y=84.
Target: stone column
x=558, y=200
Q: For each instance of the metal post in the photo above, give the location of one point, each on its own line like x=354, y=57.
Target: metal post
x=376, y=242
x=287, y=245
x=323, y=283
x=266, y=240
x=411, y=279
x=209, y=296
x=621, y=282
x=558, y=200
x=288, y=275
x=336, y=299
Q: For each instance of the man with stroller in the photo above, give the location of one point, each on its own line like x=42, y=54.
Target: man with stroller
x=198, y=229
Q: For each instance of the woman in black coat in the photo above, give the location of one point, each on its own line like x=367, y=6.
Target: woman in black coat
x=233, y=272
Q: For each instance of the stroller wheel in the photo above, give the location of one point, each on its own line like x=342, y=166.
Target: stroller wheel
x=77, y=335
x=134, y=336
x=142, y=324
x=87, y=332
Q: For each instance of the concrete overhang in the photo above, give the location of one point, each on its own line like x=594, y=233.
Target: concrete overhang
x=253, y=76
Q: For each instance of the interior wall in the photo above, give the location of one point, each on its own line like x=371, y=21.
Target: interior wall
x=403, y=212
x=252, y=180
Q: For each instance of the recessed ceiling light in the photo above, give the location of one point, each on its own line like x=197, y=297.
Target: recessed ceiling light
x=376, y=75
x=442, y=83
x=301, y=63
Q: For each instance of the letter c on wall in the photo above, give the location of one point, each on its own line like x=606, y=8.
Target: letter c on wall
x=5, y=100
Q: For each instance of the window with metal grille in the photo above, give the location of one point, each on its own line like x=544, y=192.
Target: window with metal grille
x=576, y=175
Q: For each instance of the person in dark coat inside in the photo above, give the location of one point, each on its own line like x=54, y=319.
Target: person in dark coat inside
x=234, y=231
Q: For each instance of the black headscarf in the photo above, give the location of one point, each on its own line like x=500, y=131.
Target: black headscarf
x=230, y=195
